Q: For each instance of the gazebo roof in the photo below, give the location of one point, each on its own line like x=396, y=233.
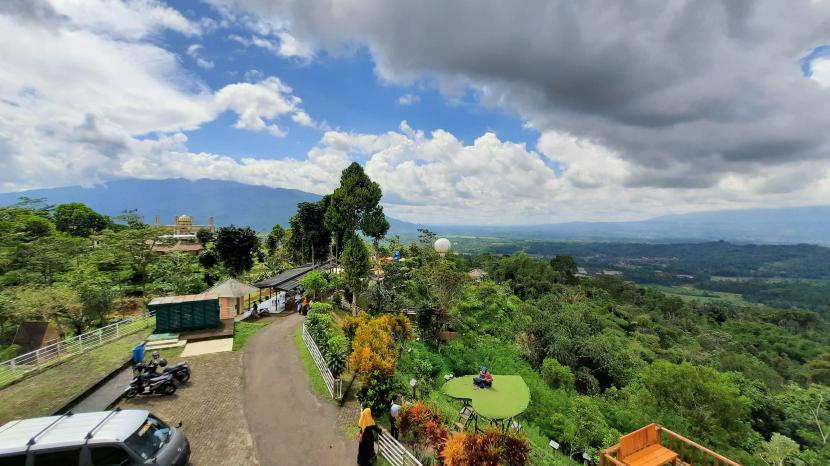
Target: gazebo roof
x=290, y=278
x=231, y=288
x=508, y=397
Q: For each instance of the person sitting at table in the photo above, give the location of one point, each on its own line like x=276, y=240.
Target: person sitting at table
x=484, y=379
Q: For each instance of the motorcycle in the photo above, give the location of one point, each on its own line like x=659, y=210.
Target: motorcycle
x=148, y=384
x=180, y=371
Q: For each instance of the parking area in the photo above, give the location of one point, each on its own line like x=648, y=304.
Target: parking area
x=211, y=409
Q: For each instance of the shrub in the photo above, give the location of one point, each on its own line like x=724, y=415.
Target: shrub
x=351, y=323
x=320, y=308
x=421, y=424
x=556, y=375
x=318, y=326
x=489, y=448
x=377, y=390
x=336, y=352
x=10, y=352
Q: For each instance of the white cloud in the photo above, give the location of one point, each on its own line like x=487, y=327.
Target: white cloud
x=302, y=118
x=259, y=104
x=77, y=102
x=409, y=99
x=282, y=44
x=131, y=19
x=435, y=178
x=193, y=52
x=821, y=71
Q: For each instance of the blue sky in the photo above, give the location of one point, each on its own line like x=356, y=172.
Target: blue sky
x=463, y=112
x=343, y=91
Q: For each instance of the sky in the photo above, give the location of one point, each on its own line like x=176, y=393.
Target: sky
x=465, y=112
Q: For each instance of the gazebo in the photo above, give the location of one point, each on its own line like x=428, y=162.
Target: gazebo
x=507, y=398
x=287, y=281
x=239, y=291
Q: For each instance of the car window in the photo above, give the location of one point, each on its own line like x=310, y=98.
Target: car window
x=58, y=458
x=109, y=456
x=18, y=460
x=149, y=438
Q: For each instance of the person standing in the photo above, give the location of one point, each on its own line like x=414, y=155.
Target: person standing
x=305, y=306
x=368, y=435
x=394, y=412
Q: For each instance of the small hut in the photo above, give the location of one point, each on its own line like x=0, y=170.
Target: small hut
x=34, y=335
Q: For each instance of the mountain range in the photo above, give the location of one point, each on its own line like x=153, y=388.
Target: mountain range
x=262, y=207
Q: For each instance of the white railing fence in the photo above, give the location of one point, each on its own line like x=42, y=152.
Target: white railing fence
x=18, y=367
x=395, y=452
x=335, y=386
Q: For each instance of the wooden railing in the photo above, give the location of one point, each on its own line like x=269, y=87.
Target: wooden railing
x=689, y=453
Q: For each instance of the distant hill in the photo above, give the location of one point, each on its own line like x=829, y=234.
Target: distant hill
x=228, y=202
x=782, y=225
x=261, y=207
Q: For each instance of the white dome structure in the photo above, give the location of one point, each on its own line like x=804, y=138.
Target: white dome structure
x=442, y=246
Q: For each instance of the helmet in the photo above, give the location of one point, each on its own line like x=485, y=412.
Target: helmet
x=162, y=362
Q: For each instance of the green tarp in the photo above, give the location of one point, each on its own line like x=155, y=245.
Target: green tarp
x=508, y=397
x=187, y=315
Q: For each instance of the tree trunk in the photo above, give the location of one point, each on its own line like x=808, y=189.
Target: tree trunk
x=354, y=304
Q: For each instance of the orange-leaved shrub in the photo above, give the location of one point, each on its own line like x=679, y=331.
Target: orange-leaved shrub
x=422, y=425
x=489, y=448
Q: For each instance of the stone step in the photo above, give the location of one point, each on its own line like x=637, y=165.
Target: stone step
x=166, y=341
x=156, y=345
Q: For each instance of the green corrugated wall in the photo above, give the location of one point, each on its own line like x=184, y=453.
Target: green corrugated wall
x=189, y=315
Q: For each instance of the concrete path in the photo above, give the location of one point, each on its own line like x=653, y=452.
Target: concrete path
x=105, y=395
x=290, y=425
x=198, y=348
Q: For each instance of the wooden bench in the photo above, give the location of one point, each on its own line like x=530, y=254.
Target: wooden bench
x=642, y=448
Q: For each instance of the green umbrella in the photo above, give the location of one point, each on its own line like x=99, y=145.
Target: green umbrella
x=508, y=397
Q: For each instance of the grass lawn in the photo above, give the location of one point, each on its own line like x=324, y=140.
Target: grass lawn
x=317, y=382
x=46, y=392
x=695, y=294
x=242, y=331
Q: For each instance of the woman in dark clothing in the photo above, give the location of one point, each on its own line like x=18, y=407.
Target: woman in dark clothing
x=366, y=449
x=368, y=435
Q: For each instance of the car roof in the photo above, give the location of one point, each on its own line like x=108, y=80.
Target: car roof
x=42, y=433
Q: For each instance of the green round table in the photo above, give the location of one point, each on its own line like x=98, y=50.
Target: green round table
x=507, y=398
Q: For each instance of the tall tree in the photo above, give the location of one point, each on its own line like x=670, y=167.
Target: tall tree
x=566, y=266
x=310, y=239
x=355, y=205
x=275, y=238
x=356, y=267
x=131, y=218
x=178, y=272
x=77, y=219
x=237, y=248
x=204, y=236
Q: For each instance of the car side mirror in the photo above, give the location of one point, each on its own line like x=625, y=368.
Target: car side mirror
x=179, y=425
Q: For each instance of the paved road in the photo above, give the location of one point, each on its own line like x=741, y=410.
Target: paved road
x=106, y=394
x=290, y=425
